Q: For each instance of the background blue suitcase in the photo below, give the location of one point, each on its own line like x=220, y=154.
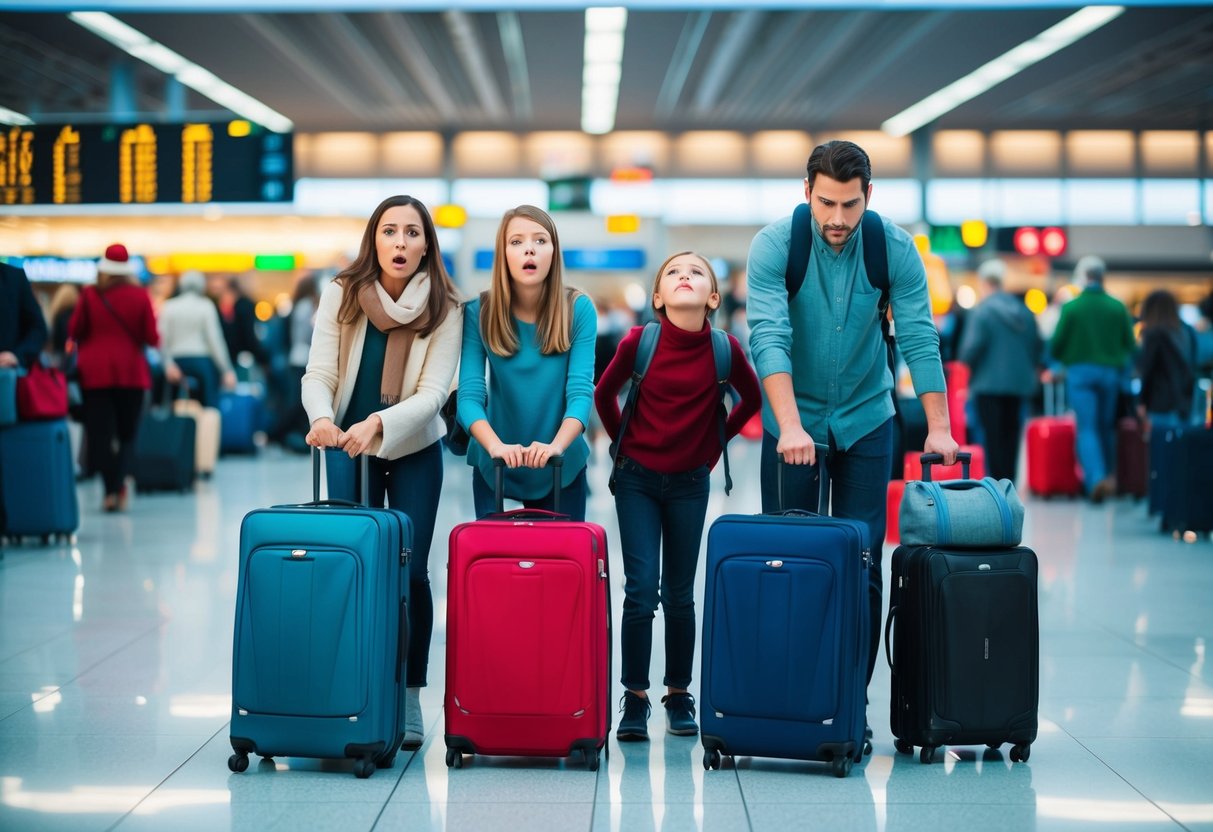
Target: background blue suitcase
x=1187, y=498
x=241, y=414
x=785, y=637
x=318, y=665
x=39, y=486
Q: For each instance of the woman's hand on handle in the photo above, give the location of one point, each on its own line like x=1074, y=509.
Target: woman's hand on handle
x=359, y=438
x=796, y=447
x=323, y=434
x=537, y=454
x=514, y=456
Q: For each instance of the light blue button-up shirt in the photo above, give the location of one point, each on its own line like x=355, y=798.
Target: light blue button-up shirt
x=828, y=338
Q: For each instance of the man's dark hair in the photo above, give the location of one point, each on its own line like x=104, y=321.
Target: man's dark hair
x=842, y=161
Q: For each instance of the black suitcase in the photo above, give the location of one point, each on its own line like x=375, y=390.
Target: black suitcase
x=1187, y=498
x=963, y=642
x=165, y=451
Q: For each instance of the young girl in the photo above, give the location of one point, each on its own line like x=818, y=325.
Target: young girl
x=661, y=480
x=538, y=339
x=383, y=354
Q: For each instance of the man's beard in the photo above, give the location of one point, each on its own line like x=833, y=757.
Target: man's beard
x=822, y=231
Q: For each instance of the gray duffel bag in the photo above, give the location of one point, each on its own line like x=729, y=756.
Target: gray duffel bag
x=966, y=513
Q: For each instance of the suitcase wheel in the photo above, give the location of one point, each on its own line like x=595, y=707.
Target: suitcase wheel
x=711, y=760
x=454, y=759
x=1021, y=752
x=903, y=747
x=927, y=755
x=841, y=766
x=364, y=768
x=238, y=762
x=591, y=759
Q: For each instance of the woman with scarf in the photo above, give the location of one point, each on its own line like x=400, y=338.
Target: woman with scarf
x=383, y=354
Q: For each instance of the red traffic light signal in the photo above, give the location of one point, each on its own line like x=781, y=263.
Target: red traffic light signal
x=1050, y=241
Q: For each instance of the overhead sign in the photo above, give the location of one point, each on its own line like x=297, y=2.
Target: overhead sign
x=66, y=164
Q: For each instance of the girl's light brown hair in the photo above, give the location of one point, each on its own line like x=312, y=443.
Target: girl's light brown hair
x=555, y=320
x=365, y=268
x=657, y=280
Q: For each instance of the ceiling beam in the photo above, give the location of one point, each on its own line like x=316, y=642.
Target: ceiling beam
x=471, y=53
x=735, y=45
x=687, y=48
x=515, y=63
x=354, y=47
x=408, y=49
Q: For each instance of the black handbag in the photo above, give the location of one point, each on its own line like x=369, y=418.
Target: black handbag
x=456, y=438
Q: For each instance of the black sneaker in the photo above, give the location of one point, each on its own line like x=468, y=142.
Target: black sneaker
x=634, y=726
x=680, y=714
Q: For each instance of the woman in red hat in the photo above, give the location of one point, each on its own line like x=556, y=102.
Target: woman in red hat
x=112, y=326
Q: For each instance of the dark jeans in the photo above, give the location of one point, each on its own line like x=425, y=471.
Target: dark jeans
x=660, y=527
x=572, y=497
x=1002, y=423
x=859, y=482
x=412, y=484
x=1093, y=391
x=111, y=421
x=202, y=370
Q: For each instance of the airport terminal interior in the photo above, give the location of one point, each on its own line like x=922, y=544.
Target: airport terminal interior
x=240, y=147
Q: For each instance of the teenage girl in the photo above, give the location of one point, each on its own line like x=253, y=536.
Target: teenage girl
x=661, y=480
x=383, y=354
x=538, y=339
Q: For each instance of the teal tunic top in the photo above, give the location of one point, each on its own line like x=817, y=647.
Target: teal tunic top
x=367, y=396
x=528, y=395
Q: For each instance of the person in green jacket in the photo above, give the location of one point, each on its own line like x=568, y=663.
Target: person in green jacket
x=1094, y=341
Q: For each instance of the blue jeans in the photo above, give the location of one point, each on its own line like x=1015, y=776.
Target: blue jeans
x=859, y=484
x=1093, y=390
x=572, y=498
x=412, y=484
x=660, y=527
x=202, y=369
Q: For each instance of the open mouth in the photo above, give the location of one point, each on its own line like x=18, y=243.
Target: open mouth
x=529, y=266
x=399, y=260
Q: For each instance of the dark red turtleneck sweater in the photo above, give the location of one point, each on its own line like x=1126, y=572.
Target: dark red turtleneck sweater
x=673, y=428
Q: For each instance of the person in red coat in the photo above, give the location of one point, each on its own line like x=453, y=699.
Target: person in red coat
x=112, y=326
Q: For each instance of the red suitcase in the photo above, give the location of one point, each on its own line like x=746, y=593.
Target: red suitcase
x=1052, y=459
x=892, y=526
x=528, y=637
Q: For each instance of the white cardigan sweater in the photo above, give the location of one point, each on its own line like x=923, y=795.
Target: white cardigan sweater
x=412, y=424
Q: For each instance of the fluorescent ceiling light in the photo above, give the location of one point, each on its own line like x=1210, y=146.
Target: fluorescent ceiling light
x=8, y=116
x=611, y=19
x=139, y=45
x=1058, y=37
x=603, y=47
x=602, y=67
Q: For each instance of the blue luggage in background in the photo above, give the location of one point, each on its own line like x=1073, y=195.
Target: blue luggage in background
x=785, y=637
x=240, y=414
x=1161, y=461
x=318, y=663
x=165, y=451
x=1187, y=498
x=8, y=396
x=39, y=487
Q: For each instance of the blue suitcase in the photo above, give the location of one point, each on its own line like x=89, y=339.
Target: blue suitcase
x=785, y=637
x=240, y=415
x=1187, y=501
x=39, y=480
x=318, y=665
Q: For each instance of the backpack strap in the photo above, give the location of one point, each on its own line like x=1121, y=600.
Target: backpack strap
x=799, y=249
x=645, y=351
x=722, y=355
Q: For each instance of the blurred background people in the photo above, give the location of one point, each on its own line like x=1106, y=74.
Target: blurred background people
x=1166, y=363
x=113, y=326
x=192, y=343
x=63, y=304
x=1094, y=341
x=300, y=323
x=1003, y=349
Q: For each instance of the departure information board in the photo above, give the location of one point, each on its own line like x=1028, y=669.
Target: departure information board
x=66, y=164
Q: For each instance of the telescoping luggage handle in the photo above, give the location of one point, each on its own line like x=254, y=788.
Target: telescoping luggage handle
x=364, y=480
x=823, y=488
x=927, y=460
x=556, y=463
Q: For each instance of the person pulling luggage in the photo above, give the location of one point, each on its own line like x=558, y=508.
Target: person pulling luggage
x=664, y=447
x=383, y=354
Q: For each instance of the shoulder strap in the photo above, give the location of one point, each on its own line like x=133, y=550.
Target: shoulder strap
x=121, y=323
x=644, y=357
x=799, y=249
x=722, y=354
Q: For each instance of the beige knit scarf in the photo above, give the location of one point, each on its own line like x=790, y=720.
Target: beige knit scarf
x=401, y=320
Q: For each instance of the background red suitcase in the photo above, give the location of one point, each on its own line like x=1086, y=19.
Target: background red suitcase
x=1132, y=458
x=913, y=465
x=1051, y=458
x=528, y=636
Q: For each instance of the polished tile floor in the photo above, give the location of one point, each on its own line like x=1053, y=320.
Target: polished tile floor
x=115, y=680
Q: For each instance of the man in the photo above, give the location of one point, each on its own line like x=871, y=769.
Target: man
x=22, y=330
x=822, y=359
x=1003, y=349
x=1094, y=340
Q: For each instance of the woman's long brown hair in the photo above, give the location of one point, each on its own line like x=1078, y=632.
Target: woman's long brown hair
x=365, y=269
x=555, y=319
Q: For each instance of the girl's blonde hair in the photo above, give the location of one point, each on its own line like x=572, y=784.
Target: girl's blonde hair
x=657, y=280
x=555, y=320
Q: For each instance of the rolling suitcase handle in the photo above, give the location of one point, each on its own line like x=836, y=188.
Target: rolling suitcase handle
x=364, y=477
x=556, y=463
x=927, y=460
x=823, y=489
